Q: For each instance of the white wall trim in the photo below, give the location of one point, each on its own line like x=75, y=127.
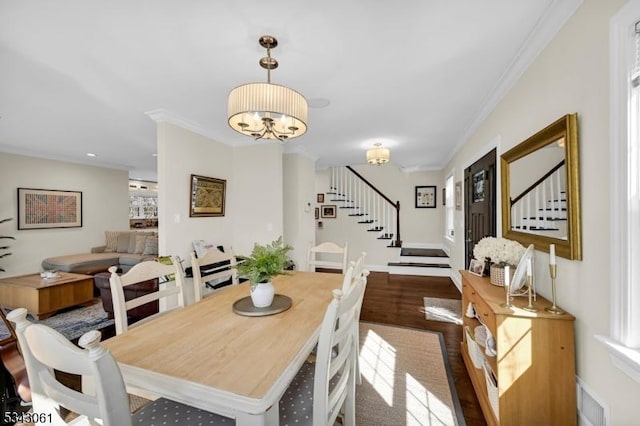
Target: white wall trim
x=161, y=115
x=555, y=17
x=621, y=325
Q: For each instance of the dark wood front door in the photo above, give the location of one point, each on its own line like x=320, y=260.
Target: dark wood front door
x=480, y=202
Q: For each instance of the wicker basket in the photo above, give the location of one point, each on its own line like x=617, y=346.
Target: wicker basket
x=492, y=390
x=497, y=274
x=475, y=353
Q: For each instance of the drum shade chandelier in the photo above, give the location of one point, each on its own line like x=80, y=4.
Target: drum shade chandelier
x=266, y=110
x=378, y=155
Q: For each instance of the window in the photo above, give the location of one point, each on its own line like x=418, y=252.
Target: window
x=449, y=207
x=624, y=340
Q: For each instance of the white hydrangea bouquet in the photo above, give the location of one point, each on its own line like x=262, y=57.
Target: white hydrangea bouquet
x=501, y=251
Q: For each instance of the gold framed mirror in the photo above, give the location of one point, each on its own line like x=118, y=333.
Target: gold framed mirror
x=541, y=190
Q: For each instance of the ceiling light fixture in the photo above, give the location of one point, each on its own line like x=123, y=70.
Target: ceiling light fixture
x=265, y=110
x=378, y=155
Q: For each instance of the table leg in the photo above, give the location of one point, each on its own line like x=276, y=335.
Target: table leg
x=270, y=418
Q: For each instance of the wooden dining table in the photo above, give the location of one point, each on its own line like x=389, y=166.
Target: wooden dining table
x=207, y=356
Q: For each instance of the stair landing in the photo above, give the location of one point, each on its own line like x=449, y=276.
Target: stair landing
x=422, y=261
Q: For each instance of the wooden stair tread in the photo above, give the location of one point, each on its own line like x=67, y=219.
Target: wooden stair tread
x=422, y=252
x=419, y=265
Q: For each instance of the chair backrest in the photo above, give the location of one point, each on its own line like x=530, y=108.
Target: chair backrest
x=46, y=350
x=338, y=329
x=140, y=272
x=212, y=265
x=354, y=271
x=328, y=249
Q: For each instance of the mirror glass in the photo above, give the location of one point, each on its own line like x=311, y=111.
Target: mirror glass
x=540, y=190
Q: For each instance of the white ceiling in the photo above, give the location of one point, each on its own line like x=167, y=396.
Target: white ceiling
x=78, y=76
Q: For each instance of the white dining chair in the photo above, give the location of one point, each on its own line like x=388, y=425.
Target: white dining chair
x=332, y=376
x=145, y=271
x=45, y=350
x=212, y=265
x=355, y=272
x=317, y=256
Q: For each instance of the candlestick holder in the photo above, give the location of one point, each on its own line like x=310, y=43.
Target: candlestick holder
x=507, y=292
x=553, y=270
x=530, y=291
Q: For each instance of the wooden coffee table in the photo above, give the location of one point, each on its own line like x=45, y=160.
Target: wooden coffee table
x=45, y=296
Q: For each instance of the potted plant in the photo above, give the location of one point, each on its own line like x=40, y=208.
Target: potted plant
x=265, y=262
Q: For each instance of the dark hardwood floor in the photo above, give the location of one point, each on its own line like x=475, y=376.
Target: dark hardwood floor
x=397, y=300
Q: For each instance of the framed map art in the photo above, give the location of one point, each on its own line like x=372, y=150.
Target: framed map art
x=207, y=196
x=49, y=208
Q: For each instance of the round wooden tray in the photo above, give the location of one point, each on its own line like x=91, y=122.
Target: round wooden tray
x=245, y=306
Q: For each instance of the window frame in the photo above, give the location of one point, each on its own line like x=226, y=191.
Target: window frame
x=625, y=279
x=449, y=218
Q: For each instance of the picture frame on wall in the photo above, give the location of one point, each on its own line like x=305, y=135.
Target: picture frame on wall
x=426, y=197
x=207, y=196
x=320, y=198
x=49, y=208
x=328, y=211
x=317, y=213
x=458, y=195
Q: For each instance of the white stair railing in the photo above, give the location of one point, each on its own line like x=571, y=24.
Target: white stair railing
x=366, y=204
x=542, y=207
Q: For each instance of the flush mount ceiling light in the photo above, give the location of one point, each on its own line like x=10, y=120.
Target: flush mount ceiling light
x=266, y=110
x=378, y=155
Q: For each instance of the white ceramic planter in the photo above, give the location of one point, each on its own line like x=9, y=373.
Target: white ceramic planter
x=262, y=294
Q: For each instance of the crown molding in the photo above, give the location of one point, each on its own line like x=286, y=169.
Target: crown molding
x=161, y=115
x=554, y=18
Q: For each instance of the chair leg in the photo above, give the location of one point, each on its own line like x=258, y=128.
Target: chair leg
x=350, y=400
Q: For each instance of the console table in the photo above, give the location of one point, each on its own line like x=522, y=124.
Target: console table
x=42, y=297
x=534, y=378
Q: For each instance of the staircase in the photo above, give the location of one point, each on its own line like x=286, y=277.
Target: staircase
x=421, y=259
x=375, y=212
x=371, y=209
x=542, y=208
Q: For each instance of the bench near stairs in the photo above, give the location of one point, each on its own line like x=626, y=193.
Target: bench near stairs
x=421, y=259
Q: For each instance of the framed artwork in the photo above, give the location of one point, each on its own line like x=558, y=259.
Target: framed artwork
x=320, y=198
x=328, y=210
x=49, y=208
x=426, y=197
x=317, y=213
x=207, y=196
x=444, y=196
x=476, y=267
x=458, y=195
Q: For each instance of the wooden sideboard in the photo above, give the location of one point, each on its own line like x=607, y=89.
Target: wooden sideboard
x=535, y=358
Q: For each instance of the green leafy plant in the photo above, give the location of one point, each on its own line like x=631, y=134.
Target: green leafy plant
x=265, y=261
x=5, y=237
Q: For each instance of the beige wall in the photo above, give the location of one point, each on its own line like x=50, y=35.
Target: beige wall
x=416, y=225
x=253, y=207
x=182, y=153
x=105, y=206
x=572, y=75
x=299, y=201
x=258, y=213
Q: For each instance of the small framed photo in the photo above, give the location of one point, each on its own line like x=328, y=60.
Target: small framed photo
x=328, y=210
x=458, y=195
x=320, y=198
x=317, y=213
x=476, y=267
x=426, y=197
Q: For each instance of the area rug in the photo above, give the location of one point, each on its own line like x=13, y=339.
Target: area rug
x=73, y=323
x=447, y=310
x=406, y=379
